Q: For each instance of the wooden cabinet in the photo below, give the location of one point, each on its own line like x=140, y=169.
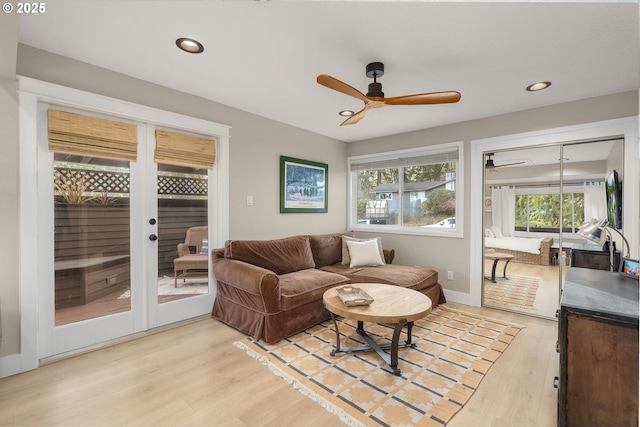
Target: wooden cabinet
x=598, y=343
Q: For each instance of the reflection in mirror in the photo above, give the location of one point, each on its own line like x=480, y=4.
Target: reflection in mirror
x=606, y=159
x=522, y=217
x=535, y=201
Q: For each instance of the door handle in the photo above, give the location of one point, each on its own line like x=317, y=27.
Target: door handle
x=153, y=237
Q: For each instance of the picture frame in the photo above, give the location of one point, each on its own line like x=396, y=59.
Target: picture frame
x=629, y=268
x=303, y=186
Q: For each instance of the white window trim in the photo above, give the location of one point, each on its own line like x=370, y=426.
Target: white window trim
x=457, y=232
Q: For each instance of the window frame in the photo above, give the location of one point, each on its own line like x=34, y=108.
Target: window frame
x=352, y=211
x=542, y=190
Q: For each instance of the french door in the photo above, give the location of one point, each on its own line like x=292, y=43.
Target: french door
x=179, y=280
x=111, y=234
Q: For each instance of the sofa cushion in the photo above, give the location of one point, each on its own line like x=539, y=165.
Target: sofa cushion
x=304, y=286
x=340, y=268
x=279, y=255
x=327, y=248
x=413, y=277
x=346, y=259
x=364, y=253
x=416, y=278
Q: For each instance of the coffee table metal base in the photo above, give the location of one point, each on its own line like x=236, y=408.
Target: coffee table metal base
x=391, y=358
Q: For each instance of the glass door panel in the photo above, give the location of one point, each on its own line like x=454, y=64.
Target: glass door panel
x=91, y=238
x=183, y=249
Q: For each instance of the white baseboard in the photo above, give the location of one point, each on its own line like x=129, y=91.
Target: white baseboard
x=455, y=296
x=11, y=365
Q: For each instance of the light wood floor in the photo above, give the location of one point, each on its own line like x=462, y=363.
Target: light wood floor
x=548, y=295
x=193, y=375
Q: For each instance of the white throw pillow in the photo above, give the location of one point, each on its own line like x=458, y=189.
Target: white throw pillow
x=364, y=253
x=496, y=232
x=346, y=259
x=488, y=233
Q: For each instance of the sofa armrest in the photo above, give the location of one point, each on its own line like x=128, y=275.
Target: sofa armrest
x=389, y=255
x=249, y=285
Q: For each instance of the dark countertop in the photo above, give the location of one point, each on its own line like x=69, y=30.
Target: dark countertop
x=598, y=291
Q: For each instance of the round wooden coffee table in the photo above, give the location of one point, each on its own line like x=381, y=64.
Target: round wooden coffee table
x=392, y=304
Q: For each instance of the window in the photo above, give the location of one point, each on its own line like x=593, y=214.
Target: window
x=539, y=212
x=413, y=191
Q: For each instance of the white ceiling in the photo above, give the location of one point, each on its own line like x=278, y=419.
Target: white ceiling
x=264, y=56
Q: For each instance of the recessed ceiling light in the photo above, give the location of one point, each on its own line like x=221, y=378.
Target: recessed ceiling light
x=189, y=45
x=346, y=113
x=538, y=86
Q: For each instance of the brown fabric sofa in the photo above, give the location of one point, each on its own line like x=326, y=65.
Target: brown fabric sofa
x=272, y=289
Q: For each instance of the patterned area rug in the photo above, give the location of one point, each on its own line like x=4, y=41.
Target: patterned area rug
x=454, y=351
x=516, y=291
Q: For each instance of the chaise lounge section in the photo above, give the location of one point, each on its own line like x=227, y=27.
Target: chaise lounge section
x=272, y=289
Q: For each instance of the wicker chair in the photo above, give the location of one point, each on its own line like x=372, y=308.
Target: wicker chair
x=198, y=261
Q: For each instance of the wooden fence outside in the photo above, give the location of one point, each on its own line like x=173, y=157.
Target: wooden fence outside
x=91, y=231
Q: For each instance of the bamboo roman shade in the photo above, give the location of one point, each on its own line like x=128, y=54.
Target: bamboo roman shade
x=72, y=133
x=184, y=150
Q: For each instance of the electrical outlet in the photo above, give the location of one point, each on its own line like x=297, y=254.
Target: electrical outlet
x=449, y=275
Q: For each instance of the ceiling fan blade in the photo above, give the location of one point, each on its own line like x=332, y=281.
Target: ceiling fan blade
x=446, y=97
x=335, y=84
x=356, y=117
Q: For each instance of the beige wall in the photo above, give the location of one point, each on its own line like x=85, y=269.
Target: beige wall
x=454, y=254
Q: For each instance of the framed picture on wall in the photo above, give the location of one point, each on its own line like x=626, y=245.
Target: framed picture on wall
x=303, y=186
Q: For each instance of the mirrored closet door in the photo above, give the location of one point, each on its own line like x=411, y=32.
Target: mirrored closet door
x=535, y=200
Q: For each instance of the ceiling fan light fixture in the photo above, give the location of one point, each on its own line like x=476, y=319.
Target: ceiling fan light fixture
x=376, y=99
x=534, y=87
x=346, y=113
x=189, y=45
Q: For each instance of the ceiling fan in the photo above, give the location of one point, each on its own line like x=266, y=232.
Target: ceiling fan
x=491, y=167
x=375, y=97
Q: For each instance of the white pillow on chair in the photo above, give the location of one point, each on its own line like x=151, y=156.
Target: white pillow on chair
x=496, y=232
